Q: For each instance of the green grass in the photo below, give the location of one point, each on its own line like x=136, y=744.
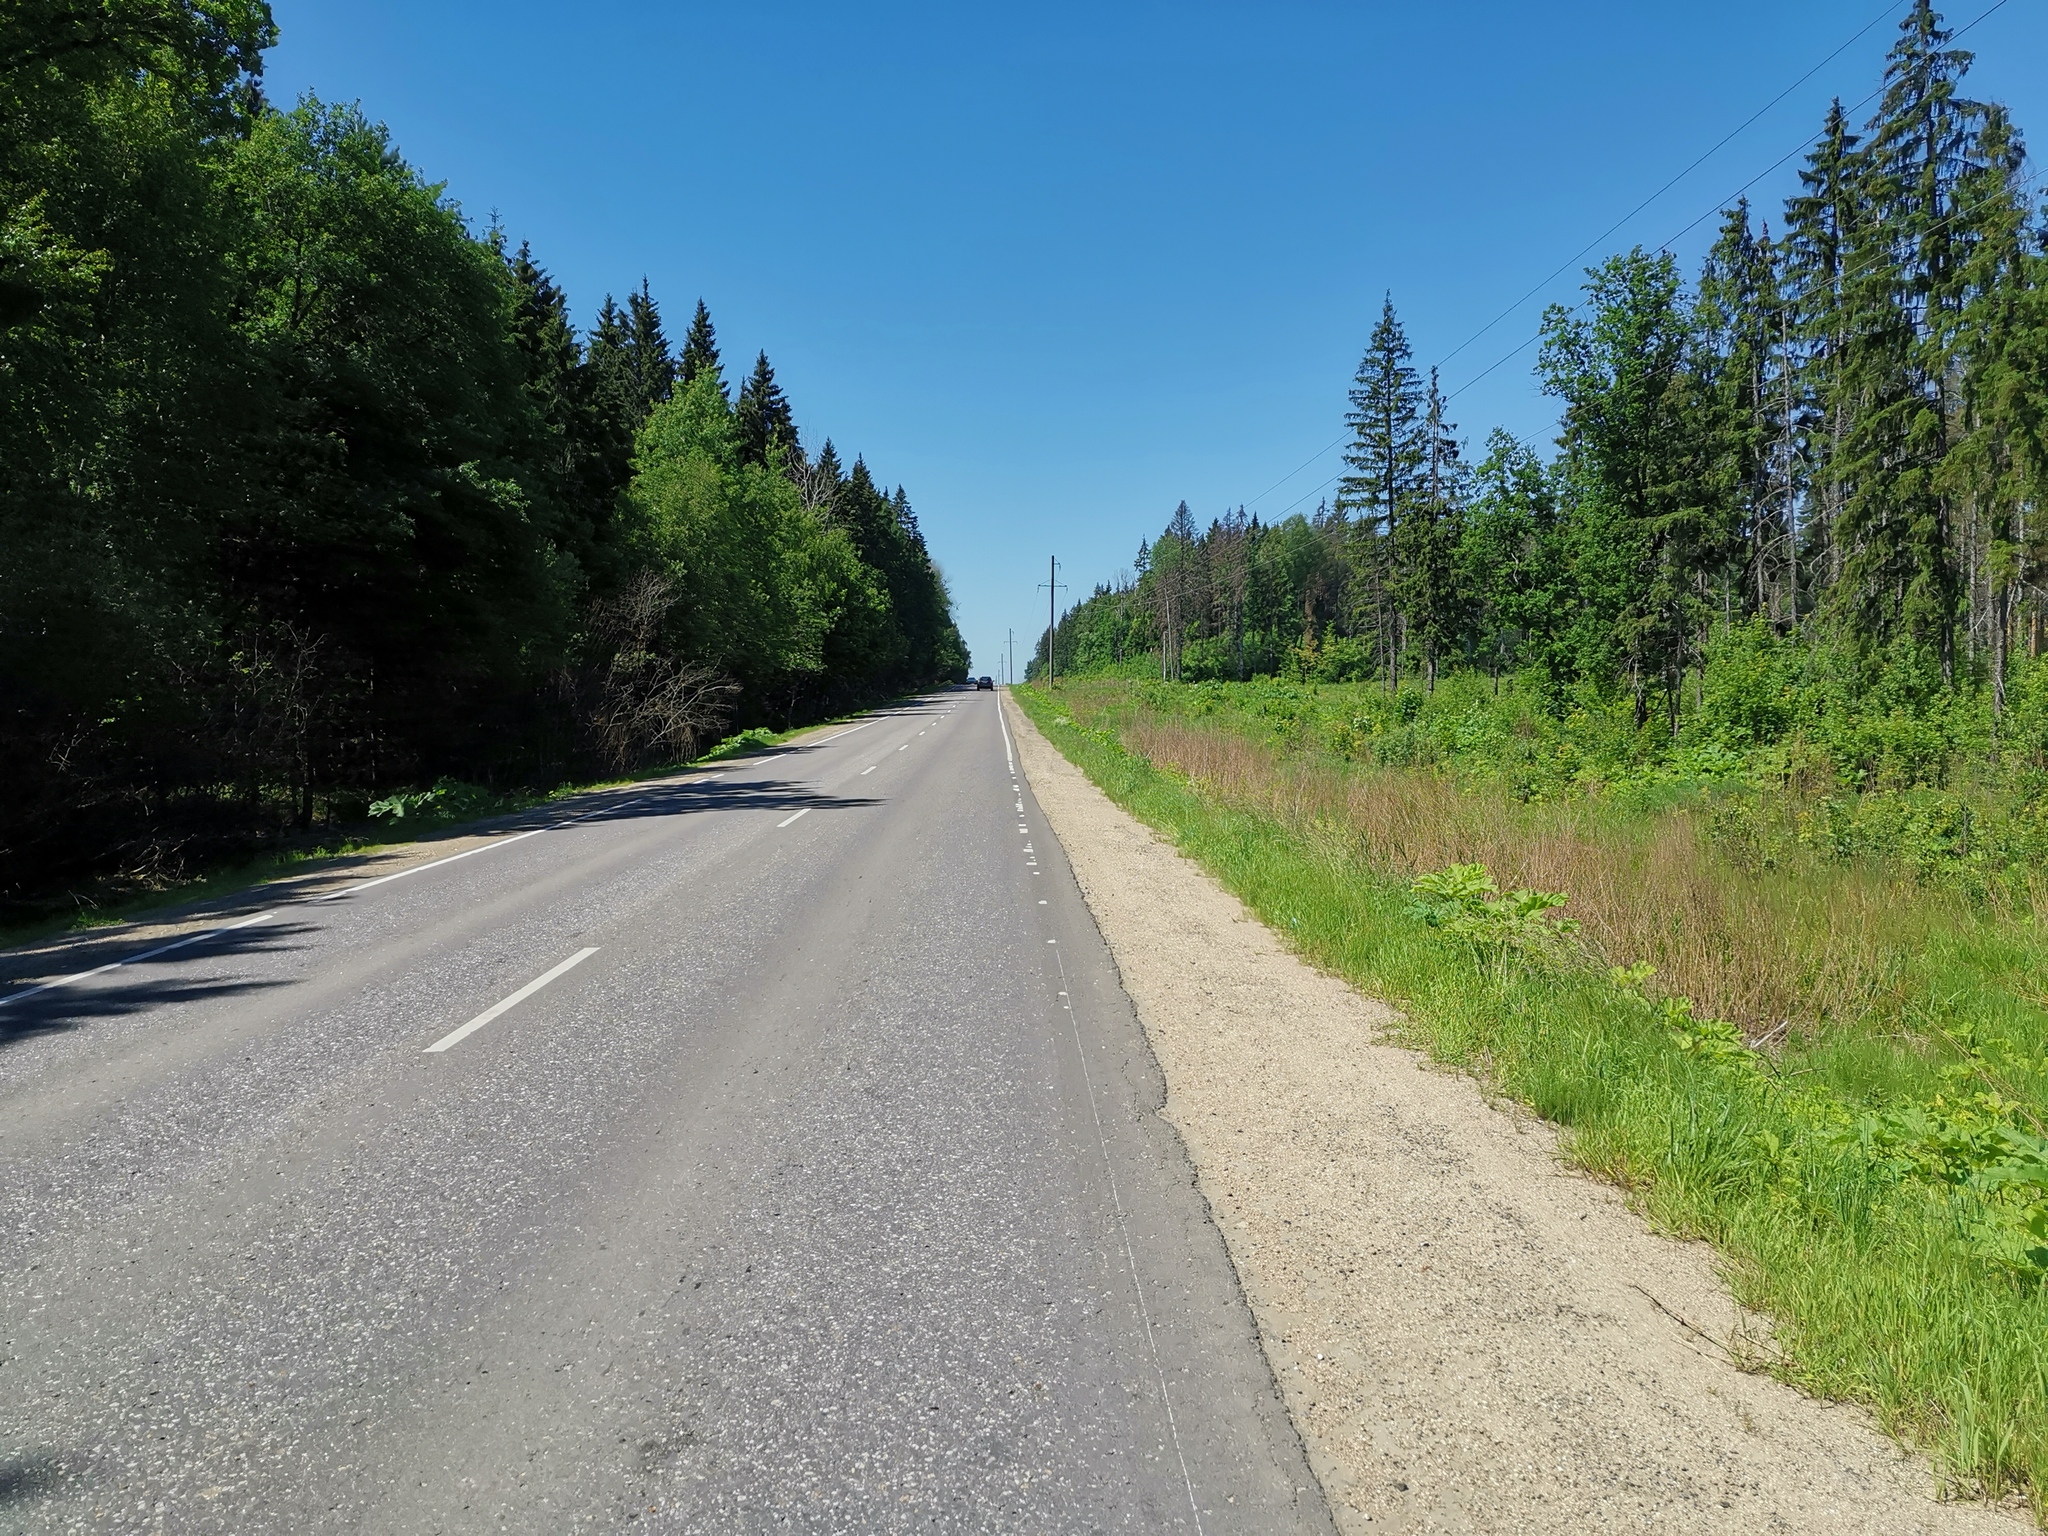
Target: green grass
x=1885, y=1287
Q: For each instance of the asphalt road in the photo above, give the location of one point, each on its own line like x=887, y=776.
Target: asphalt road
x=823, y=1191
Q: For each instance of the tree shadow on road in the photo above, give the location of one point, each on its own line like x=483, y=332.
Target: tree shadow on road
x=27, y=1477
x=66, y=1008
x=759, y=783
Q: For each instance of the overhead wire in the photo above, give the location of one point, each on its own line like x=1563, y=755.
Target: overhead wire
x=1718, y=145
x=1719, y=206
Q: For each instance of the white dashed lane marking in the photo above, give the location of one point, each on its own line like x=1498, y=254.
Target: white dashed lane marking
x=455, y=1036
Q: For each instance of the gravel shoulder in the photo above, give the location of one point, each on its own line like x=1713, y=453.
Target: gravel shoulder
x=1469, y=1336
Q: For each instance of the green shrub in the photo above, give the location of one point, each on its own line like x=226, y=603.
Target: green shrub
x=448, y=800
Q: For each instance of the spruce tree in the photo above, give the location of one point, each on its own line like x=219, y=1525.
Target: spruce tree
x=1742, y=340
x=1822, y=224
x=632, y=368
x=653, y=367
x=547, y=343
x=1903, y=295
x=1387, y=456
x=762, y=418
x=578, y=457
x=1425, y=542
x=906, y=519
x=1172, y=578
x=700, y=349
x=540, y=325
x=1996, y=465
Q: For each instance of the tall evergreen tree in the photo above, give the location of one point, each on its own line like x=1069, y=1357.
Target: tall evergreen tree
x=1996, y=467
x=906, y=519
x=700, y=349
x=1822, y=225
x=1903, y=295
x=1388, y=455
x=653, y=368
x=577, y=453
x=1742, y=343
x=1425, y=542
x=633, y=368
x=762, y=415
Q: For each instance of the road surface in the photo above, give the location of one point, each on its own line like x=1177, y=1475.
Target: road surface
x=765, y=1148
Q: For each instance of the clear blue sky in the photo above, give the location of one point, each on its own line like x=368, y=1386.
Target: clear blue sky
x=1054, y=268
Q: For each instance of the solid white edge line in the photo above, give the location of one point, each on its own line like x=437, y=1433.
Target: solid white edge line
x=1008, y=756
x=350, y=890
x=788, y=819
x=1130, y=1253
x=148, y=954
x=503, y=842
x=847, y=732
x=455, y=1036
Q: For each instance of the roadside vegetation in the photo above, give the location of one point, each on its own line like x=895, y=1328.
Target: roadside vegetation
x=1689, y=783
x=313, y=497
x=1834, y=1069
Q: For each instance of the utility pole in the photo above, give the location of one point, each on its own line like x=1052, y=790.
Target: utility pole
x=1010, y=674
x=1052, y=623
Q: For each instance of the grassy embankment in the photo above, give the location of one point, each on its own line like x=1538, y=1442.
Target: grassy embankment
x=1862, y=1139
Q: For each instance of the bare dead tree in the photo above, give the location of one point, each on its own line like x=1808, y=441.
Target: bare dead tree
x=648, y=706
x=1231, y=573
x=814, y=488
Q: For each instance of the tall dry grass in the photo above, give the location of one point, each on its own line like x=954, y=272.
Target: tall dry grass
x=1775, y=951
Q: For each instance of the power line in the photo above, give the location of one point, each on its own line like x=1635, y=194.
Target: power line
x=1718, y=207
x=1304, y=464
x=1775, y=164
x=1695, y=165
x=1846, y=275
x=1719, y=144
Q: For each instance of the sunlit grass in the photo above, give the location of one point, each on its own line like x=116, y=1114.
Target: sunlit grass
x=1873, y=1296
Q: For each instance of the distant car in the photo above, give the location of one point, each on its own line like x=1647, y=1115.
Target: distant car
x=984, y=682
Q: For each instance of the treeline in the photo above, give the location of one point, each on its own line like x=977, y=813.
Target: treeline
x=309, y=490
x=1835, y=433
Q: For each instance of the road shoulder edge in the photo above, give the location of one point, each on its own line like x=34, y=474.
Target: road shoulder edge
x=1258, y=1049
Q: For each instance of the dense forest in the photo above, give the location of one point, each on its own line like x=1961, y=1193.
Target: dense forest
x=1823, y=462
x=310, y=490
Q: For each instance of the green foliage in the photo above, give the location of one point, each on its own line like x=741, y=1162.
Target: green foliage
x=1979, y=1142
x=449, y=800
x=1878, y=1197
x=1463, y=901
x=1834, y=435
x=307, y=490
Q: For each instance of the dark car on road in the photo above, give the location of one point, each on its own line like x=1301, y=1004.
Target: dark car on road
x=984, y=682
